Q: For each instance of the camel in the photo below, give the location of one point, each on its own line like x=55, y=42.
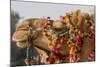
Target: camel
x=78, y=19
x=39, y=40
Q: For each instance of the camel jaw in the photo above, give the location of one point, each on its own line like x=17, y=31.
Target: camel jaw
x=22, y=44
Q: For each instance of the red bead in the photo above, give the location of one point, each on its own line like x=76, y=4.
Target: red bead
x=51, y=59
x=93, y=29
x=53, y=48
x=80, y=45
x=56, y=52
x=64, y=36
x=62, y=17
x=77, y=37
x=82, y=31
x=58, y=38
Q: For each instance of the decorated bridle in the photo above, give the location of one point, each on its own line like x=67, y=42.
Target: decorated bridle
x=29, y=50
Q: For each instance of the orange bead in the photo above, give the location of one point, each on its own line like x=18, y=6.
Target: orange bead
x=49, y=43
x=55, y=41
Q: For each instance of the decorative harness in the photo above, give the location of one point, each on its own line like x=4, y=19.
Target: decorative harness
x=30, y=58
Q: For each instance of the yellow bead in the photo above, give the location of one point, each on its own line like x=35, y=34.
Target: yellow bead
x=79, y=32
x=69, y=40
x=66, y=19
x=49, y=43
x=58, y=45
x=49, y=33
x=53, y=41
x=69, y=45
x=76, y=30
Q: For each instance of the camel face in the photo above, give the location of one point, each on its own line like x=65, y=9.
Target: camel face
x=22, y=32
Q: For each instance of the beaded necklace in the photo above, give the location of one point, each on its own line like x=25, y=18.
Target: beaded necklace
x=67, y=38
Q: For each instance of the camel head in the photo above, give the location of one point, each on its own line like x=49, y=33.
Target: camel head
x=36, y=25
x=22, y=31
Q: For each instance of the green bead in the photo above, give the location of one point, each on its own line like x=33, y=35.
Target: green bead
x=54, y=35
x=65, y=32
x=67, y=37
x=70, y=31
x=51, y=54
x=65, y=45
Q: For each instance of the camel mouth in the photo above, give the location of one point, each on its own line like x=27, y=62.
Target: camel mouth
x=20, y=36
x=22, y=44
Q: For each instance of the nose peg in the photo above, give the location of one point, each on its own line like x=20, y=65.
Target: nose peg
x=30, y=26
